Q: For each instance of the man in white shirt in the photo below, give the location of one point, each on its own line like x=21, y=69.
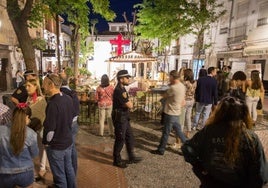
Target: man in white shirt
x=175, y=98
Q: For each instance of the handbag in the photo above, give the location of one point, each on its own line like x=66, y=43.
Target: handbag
x=259, y=104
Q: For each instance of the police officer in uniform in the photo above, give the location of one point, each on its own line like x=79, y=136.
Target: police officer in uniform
x=120, y=116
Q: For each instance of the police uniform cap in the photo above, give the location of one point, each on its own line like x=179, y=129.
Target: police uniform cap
x=123, y=73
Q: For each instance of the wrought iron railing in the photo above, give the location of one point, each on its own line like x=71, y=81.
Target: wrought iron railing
x=147, y=107
x=262, y=21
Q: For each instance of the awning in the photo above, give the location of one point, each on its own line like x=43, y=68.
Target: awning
x=131, y=57
x=229, y=52
x=255, y=50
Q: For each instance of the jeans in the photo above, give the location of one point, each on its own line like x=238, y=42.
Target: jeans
x=23, y=179
x=252, y=104
x=60, y=162
x=170, y=121
x=203, y=108
x=74, y=152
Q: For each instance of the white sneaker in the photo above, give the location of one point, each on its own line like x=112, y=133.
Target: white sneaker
x=194, y=128
x=175, y=146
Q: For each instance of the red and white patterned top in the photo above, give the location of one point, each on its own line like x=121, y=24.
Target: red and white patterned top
x=104, y=96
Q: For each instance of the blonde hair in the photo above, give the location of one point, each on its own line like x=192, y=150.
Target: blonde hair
x=55, y=79
x=18, y=129
x=36, y=83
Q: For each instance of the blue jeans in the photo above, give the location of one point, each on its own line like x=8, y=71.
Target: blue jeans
x=23, y=179
x=203, y=108
x=60, y=162
x=74, y=152
x=170, y=121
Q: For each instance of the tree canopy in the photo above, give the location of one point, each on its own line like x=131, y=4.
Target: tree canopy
x=167, y=20
x=31, y=14
x=78, y=12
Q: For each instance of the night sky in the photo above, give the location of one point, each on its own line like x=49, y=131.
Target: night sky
x=119, y=7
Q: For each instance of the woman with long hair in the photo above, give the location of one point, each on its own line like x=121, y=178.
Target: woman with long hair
x=254, y=88
x=18, y=147
x=190, y=85
x=221, y=84
x=237, y=86
x=37, y=103
x=227, y=153
x=104, y=96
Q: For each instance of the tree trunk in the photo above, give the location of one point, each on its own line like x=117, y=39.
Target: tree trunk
x=76, y=54
x=58, y=41
x=26, y=45
x=76, y=37
x=19, y=22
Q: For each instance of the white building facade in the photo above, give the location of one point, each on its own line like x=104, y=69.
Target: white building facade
x=240, y=36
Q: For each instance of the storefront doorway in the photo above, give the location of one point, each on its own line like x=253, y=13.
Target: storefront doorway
x=3, y=79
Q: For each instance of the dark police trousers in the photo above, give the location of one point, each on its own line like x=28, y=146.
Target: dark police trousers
x=123, y=134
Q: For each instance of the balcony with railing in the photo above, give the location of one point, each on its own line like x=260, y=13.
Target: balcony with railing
x=236, y=39
x=237, y=35
x=175, y=50
x=262, y=21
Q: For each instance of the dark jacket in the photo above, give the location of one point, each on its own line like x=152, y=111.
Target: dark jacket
x=206, y=90
x=21, y=94
x=59, y=118
x=73, y=95
x=205, y=151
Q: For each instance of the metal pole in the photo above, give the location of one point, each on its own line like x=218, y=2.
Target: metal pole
x=58, y=38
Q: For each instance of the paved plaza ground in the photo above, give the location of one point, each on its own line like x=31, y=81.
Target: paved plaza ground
x=95, y=169
x=95, y=160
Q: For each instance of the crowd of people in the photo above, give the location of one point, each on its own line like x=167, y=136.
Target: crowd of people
x=225, y=151
x=42, y=122
x=220, y=105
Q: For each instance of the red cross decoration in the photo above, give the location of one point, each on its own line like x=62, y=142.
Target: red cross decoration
x=119, y=42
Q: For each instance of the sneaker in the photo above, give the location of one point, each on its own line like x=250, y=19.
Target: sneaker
x=157, y=152
x=194, y=128
x=120, y=164
x=175, y=146
x=134, y=160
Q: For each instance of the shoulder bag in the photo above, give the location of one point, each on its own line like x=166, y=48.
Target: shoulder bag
x=259, y=104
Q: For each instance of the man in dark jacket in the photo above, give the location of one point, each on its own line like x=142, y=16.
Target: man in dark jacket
x=57, y=136
x=205, y=95
x=76, y=104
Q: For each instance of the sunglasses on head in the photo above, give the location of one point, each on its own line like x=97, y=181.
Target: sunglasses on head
x=50, y=78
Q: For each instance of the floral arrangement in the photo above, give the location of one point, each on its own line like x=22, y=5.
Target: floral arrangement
x=133, y=91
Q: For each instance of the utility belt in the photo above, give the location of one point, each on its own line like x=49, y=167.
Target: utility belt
x=120, y=111
x=117, y=114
